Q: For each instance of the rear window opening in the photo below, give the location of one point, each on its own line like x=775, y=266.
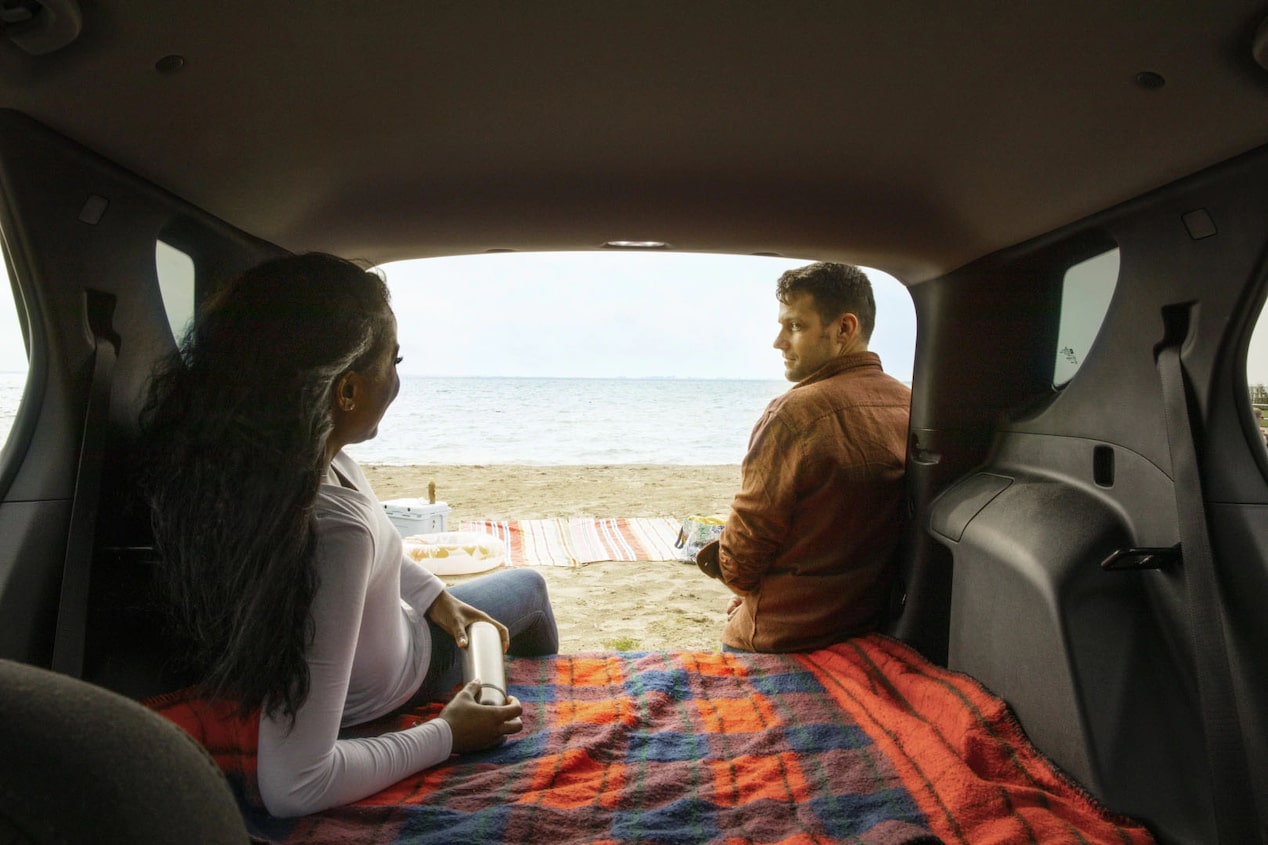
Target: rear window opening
x=594, y=358
x=591, y=401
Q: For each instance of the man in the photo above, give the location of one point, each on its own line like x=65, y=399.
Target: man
x=808, y=545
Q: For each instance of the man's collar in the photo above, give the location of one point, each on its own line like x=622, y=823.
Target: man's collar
x=849, y=361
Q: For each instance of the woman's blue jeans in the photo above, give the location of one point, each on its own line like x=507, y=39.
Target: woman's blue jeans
x=515, y=597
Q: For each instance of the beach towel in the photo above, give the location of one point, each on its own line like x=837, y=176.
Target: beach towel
x=860, y=742
x=580, y=540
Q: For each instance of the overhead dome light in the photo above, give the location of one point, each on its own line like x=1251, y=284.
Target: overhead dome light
x=636, y=245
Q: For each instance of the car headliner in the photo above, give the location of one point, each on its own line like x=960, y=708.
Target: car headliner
x=909, y=136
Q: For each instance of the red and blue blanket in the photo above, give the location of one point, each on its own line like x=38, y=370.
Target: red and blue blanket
x=861, y=742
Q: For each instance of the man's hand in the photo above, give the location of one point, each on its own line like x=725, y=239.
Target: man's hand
x=454, y=616
x=733, y=605
x=707, y=559
x=476, y=726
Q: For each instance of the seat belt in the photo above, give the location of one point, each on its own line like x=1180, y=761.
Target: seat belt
x=1228, y=769
x=72, y=610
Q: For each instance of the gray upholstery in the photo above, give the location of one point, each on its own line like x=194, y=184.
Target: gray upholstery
x=82, y=764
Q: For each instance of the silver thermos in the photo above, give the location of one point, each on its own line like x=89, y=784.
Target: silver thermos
x=482, y=659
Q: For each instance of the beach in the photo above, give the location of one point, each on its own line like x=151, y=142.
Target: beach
x=605, y=606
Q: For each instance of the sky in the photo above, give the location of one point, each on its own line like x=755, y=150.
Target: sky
x=593, y=315
x=607, y=315
x=610, y=315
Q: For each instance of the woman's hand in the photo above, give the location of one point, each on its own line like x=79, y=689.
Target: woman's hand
x=476, y=726
x=454, y=616
x=733, y=605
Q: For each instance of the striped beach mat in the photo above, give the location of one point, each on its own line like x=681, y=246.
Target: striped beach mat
x=572, y=542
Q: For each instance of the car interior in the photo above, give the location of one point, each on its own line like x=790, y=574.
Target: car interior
x=1075, y=195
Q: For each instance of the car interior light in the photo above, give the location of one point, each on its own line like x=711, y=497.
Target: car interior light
x=636, y=245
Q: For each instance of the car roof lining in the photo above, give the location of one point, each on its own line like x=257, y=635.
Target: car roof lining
x=903, y=136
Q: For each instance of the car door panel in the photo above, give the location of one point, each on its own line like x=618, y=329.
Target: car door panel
x=1100, y=666
x=74, y=222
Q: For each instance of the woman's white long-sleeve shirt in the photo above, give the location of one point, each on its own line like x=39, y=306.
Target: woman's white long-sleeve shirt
x=369, y=655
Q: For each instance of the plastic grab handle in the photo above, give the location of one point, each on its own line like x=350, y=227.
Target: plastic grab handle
x=482, y=658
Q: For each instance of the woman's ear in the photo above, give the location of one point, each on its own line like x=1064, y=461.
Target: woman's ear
x=346, y=388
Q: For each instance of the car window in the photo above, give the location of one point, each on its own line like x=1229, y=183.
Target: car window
x=13, y=359
x=1085, y=297
x=176, y=283
x=1257, y=373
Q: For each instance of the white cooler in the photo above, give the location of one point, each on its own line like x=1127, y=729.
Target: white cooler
x=417, y=516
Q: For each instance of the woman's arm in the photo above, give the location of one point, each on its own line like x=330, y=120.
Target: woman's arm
x=419, y=586
x=306, y=768
x=454, y=616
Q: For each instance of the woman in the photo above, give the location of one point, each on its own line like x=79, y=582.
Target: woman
x=282, y=567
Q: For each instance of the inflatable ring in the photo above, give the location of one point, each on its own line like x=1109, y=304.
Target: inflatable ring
x=456, y=552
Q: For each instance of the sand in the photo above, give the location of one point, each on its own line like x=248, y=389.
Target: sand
x=606, y=606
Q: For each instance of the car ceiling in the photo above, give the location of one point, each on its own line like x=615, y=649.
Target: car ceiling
x=909, y=136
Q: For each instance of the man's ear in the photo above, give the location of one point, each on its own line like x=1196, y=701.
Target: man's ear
x=847, y=327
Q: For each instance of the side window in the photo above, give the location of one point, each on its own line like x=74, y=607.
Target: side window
x=1257, y=373
x=13, y=359
x=176, y=284
x=1085, y=297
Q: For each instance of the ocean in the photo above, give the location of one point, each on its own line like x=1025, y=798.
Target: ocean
x=550, y=421
x=562, y=421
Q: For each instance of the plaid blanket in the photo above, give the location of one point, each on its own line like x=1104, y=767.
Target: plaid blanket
x=861, y=742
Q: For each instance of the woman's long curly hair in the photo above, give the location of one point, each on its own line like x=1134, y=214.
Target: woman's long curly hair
x=234, y=435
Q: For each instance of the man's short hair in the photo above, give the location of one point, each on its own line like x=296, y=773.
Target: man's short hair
x=837, y=289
